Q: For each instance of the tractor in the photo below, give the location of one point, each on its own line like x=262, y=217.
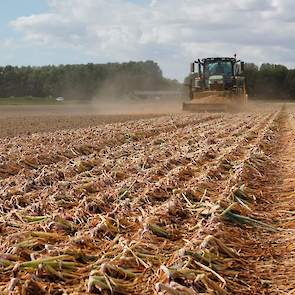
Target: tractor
x=216, y=84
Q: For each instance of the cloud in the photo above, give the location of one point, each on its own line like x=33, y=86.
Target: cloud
x=171, y=32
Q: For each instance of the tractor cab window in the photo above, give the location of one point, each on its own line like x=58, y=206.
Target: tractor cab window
x=218, y=68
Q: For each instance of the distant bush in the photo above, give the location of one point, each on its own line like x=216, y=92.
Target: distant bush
x=270, y=81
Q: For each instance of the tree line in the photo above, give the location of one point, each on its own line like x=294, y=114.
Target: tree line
x=86, y=81
x=270, y=81
x=83, y=81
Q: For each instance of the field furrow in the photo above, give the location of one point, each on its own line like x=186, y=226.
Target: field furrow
x=170, y=205
x=124, y=171
x=61, y=146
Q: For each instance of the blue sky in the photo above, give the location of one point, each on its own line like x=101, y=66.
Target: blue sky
x=23, y=53
x=11, y=9
x=170, y=32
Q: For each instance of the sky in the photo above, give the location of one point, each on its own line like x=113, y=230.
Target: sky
x=170, y=32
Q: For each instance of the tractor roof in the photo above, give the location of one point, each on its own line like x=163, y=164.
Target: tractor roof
x=216, y=59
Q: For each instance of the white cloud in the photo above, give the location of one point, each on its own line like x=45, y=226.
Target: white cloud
x=171, y=32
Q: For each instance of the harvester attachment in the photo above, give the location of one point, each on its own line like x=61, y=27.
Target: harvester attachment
x=216, y=101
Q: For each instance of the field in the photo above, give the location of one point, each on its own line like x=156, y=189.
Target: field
x=25, y=119
x=153, y=204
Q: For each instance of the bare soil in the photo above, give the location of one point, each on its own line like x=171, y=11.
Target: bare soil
x=17, y=120
x=27, y=119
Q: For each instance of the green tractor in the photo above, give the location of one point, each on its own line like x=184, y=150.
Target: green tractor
x=216, y=85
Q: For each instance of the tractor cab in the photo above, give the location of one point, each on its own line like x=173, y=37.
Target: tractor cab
x=219, y=73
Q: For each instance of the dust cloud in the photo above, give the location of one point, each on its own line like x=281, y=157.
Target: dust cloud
x=112, y=99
